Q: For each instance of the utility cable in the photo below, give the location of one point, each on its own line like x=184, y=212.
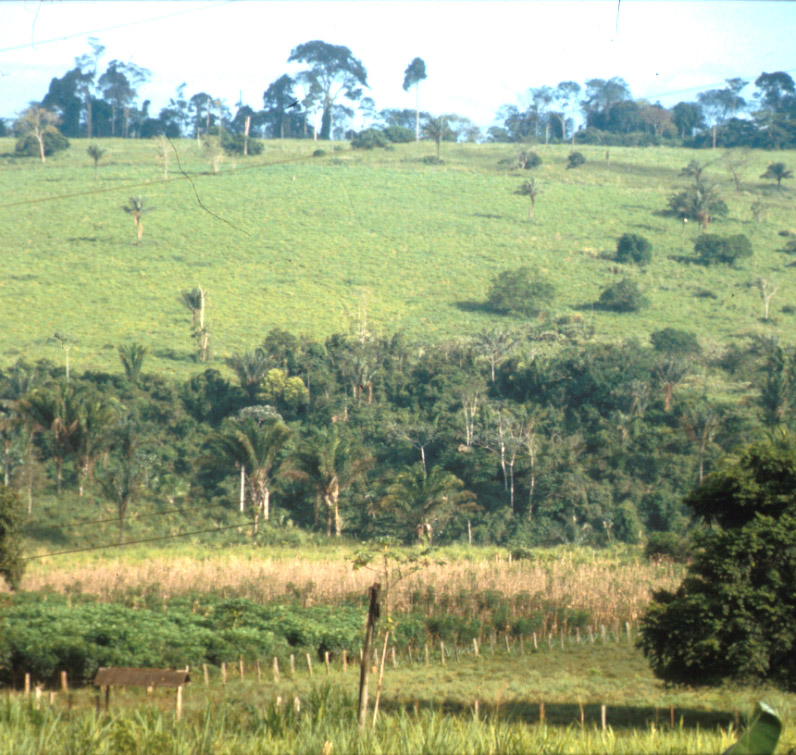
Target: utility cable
x=132, y=517
x=135, y=542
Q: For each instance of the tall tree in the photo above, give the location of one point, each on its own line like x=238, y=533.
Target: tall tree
x=333, y=72
x=415, y=73
x=688, y=116
x=136, y=208
x=331, y=464
x=87, y=64
x=118, y=85
x=600, y=95
x=281, y=111
x=565, y=98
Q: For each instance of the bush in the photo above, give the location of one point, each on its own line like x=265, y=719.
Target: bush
x=668, y=546
x=675, y=342
x=233, y=144
x=399, y=134
x=713, y=249
x=624, y=296
x=519, y=292
x=368, y=139
x=575, y=159
x=319, y=153
x=28, y=146
x=633, y=248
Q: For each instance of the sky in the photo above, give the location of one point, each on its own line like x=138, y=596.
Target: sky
x=479, y=55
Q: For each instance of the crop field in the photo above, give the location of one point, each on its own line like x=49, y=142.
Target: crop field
x=310, y=243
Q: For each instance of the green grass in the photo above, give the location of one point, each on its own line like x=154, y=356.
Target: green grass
x=422, y=710
x=319, y=236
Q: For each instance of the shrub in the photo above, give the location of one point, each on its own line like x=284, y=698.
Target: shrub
x=432, y=160
x=633, y=248
x=28, y=146
x=668, y=546
x=624, y=296
x=528, y=159
x=520, y=292
x=233, y=144
x=713, y=249
x=675, y=342
x=319, y=153
x=575, y=159
x=399, y=134
x=368, y=139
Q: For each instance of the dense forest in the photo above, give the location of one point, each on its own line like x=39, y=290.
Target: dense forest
x=530, y=435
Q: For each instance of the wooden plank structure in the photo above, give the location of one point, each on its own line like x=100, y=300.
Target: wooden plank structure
x=141, y=677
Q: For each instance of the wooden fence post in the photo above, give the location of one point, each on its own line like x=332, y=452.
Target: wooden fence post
x=179, y=702
x=345, y=661
x=259, y=673
x=442, y=651
x=602, y=715
x=64, y=682
x=276, y=670
x=425, y=647
x=561, y=632
x=240, y=666
x=27, y=684
x=292, y=665
x=394, y=661
x=475, y=708
x=475, y=647
x=223, y=672
x=508, y=647
x=326, y=660
x=309, y=663
x=541, y=712
x=602, y=632
x=627, y=627
x=206, y=674
x=522, y=646
x=373, y=615
x=535, y=646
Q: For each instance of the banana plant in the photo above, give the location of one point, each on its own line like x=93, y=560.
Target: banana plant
x=762, y=734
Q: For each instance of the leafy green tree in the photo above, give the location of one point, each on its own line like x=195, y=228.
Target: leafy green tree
x=731, y=618
x=415, y=499
x=253, y=446
x=633, y=248
x=415, y=73
x=136, y=208
x=624, y=296
x=12, y=522
x=132, y=356
x=331, y=463
x=687, y=117
x=777, y=171
x=674, y=342
x=713, y=249
x=520, y=292
x=531, y=189
x=700, y=202
x=438, y=129
x=333, y=72
x=369, y=138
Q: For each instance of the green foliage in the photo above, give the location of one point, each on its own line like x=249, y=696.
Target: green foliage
x=319, y=153
x=28, y=146
x=95, y=153
x=713, y=249
x=519, y=292
x=132, y=357
x=633, y=248
x=574, y=160
x=675, y=342
x=234, y=144
x=369, y=139
x=762, y=734
x=12, y=516
x=624, y=296
x=670, y=546
x=700, y=202
x=399, y=134
x=732, y=617
x=777, y=171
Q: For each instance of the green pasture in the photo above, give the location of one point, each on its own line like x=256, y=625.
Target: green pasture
x=423, y=709
x=316, y=239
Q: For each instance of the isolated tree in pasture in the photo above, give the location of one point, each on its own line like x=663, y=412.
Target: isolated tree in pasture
x=38, y=122
x=253, y=447
x=767, y=291
x=415, y=499
x=67, y=343
x=519, y=291
x=12, y=524
x=136, y=208
x=331, y=464
x=701, y=202
x=415, y=73
x=132, y=356
x=95, y=153
x=624, y=296
x=731, y=618
x=574, y=160
x=531, y=189
x=777, y=171
x=633, y=248
x=333, y=72
x=195, y=301
x=713, y=249
x=438, y=130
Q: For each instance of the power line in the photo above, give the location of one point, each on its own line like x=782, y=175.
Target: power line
x=132, y=518
x=135, y=542
x=111, y=28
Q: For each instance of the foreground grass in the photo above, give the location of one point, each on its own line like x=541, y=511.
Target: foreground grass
x=422, y=710
x=316, y=237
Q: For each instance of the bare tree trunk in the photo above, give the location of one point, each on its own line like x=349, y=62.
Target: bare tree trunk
x=417, y=111
x=59, y=465
x=40, y=138
x=242, y=487
x=373, y=615
x=267, y=505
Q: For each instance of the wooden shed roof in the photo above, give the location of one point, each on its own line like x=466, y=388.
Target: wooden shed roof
x=141, y=677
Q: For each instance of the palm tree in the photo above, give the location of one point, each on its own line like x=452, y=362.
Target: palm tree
x=97, y=416
x=195, y=301
x=331, y=464
x=253, y=447
x=777, y=171
x=530, y=189
x=136, y=208
x=95, y=153
x=495, y=344
x=121, y=481
x=437, y=129
x=251, y=369
x=132, y=356
x=417, y=499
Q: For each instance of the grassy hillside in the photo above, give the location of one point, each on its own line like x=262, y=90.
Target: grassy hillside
x=316, y=237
